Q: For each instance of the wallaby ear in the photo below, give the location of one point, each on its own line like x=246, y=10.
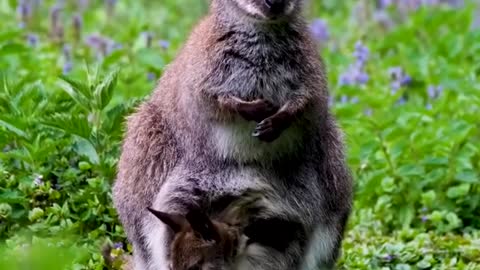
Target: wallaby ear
x=175, y=222
x=202, y=225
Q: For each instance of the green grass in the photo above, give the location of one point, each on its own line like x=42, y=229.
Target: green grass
x=415, y=158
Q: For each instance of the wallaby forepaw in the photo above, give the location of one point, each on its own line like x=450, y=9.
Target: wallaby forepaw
x=257, y=110
x=266, y=131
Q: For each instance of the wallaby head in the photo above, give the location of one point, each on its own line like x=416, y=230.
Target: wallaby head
x=266, y=10
x=200, y=243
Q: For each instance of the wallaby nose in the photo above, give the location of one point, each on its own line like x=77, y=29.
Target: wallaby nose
x=276, y=6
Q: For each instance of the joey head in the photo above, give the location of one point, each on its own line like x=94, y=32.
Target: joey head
x=200, y=243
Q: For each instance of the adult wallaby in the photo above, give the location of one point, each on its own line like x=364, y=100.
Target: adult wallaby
x=243, y=107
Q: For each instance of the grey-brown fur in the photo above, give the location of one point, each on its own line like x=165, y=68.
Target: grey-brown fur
x=204, y=242
x=190, y=144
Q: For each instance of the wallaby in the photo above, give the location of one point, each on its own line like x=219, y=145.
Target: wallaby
x=244, y=106
x=201, y=243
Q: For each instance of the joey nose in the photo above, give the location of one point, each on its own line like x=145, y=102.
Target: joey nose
x=276, y=6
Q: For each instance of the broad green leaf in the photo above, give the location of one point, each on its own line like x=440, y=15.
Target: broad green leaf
x=10, y=126
x=115, y=118
x=458, y=191
x=77, y=96
x=12, y=196
x=85, y=148
x=104, y=91
x=468, y=177
x=79, y=87
x=70, y=124
x=411, y=170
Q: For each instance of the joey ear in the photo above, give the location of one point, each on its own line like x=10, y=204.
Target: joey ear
x=202, y=225
x=174, y=221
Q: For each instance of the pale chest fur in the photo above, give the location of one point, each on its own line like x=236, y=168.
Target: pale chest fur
x=234, y=140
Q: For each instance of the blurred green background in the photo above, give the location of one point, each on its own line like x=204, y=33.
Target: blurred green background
x=404, y=85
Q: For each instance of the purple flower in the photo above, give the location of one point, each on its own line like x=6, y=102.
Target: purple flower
x=98, y=43
x=355, y=73
x=362, y=78
x=38, y=180
x=402, y=100
x=56, y=27
x=398, y=78
x=416, y=4
x=383, y=18
x=395, y=72
x=118, y=245
x=115, y=46
x=434, y=91
x=24, y=11
x=476, y=21
x=406, y=80
x=67, y=54
x=455, y=3
x=384, y=3
x=102, y=45
x=151, y=76
x=424, y=219
x=32, y=40
x=67, y=51
x=346, y=99
x=67, y=67
x=361, y=53
x=345, y=79
x=164, y=44
x=77, y=26
x=388, y=257
x=354, y=76
x=368, y=112
x=55, y=16
x=319, y=30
